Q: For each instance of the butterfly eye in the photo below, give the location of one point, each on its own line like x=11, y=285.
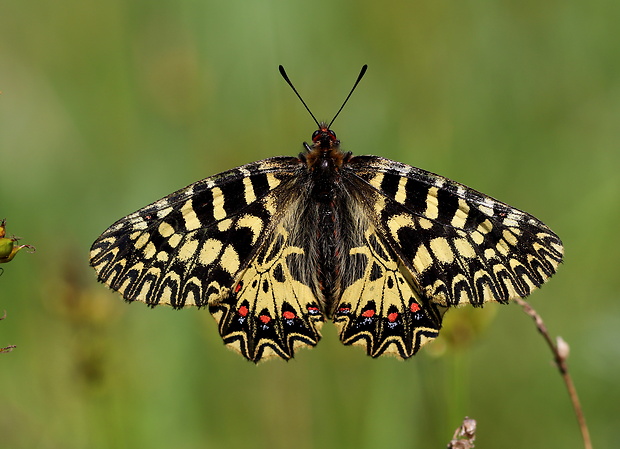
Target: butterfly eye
x=315, y=134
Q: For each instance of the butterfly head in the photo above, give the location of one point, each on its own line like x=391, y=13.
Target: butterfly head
x=324, y=152
x=324, y=138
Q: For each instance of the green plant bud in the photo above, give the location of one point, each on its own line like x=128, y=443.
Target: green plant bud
x=6, y=249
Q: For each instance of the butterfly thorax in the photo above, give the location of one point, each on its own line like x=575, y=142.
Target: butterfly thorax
x=324, y=160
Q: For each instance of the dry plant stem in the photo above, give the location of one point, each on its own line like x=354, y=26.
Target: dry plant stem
x=464, y=436
x=560, y=356
x=6, y=348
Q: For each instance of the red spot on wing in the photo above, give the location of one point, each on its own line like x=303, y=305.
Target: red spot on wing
x=392, y=317
x=414, y=307
x=238, y=287
x=243, y=311
x=313, y=310
x=264, y=319
x=368, y=313
x=288, y=315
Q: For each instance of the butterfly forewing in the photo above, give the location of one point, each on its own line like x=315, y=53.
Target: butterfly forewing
x=459, y=245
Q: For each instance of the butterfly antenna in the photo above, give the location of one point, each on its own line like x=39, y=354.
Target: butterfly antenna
x=285, y=76
x=359, y=78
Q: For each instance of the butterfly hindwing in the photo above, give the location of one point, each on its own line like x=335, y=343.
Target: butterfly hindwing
x=460, y=246
x=269, y=312
x=383, y=309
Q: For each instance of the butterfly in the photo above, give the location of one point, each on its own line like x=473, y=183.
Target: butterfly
x=276, y=247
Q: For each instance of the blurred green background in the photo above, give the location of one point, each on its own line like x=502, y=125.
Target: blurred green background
x=108, y=106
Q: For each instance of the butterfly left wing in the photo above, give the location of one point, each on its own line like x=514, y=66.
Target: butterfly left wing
x=219, y=242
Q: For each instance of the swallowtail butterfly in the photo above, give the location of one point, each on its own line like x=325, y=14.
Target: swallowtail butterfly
x=276, y=247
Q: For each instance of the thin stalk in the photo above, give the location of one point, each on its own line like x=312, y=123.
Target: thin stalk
x=560, y=352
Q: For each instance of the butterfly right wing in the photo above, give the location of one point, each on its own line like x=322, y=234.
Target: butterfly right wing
x=430, y=243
